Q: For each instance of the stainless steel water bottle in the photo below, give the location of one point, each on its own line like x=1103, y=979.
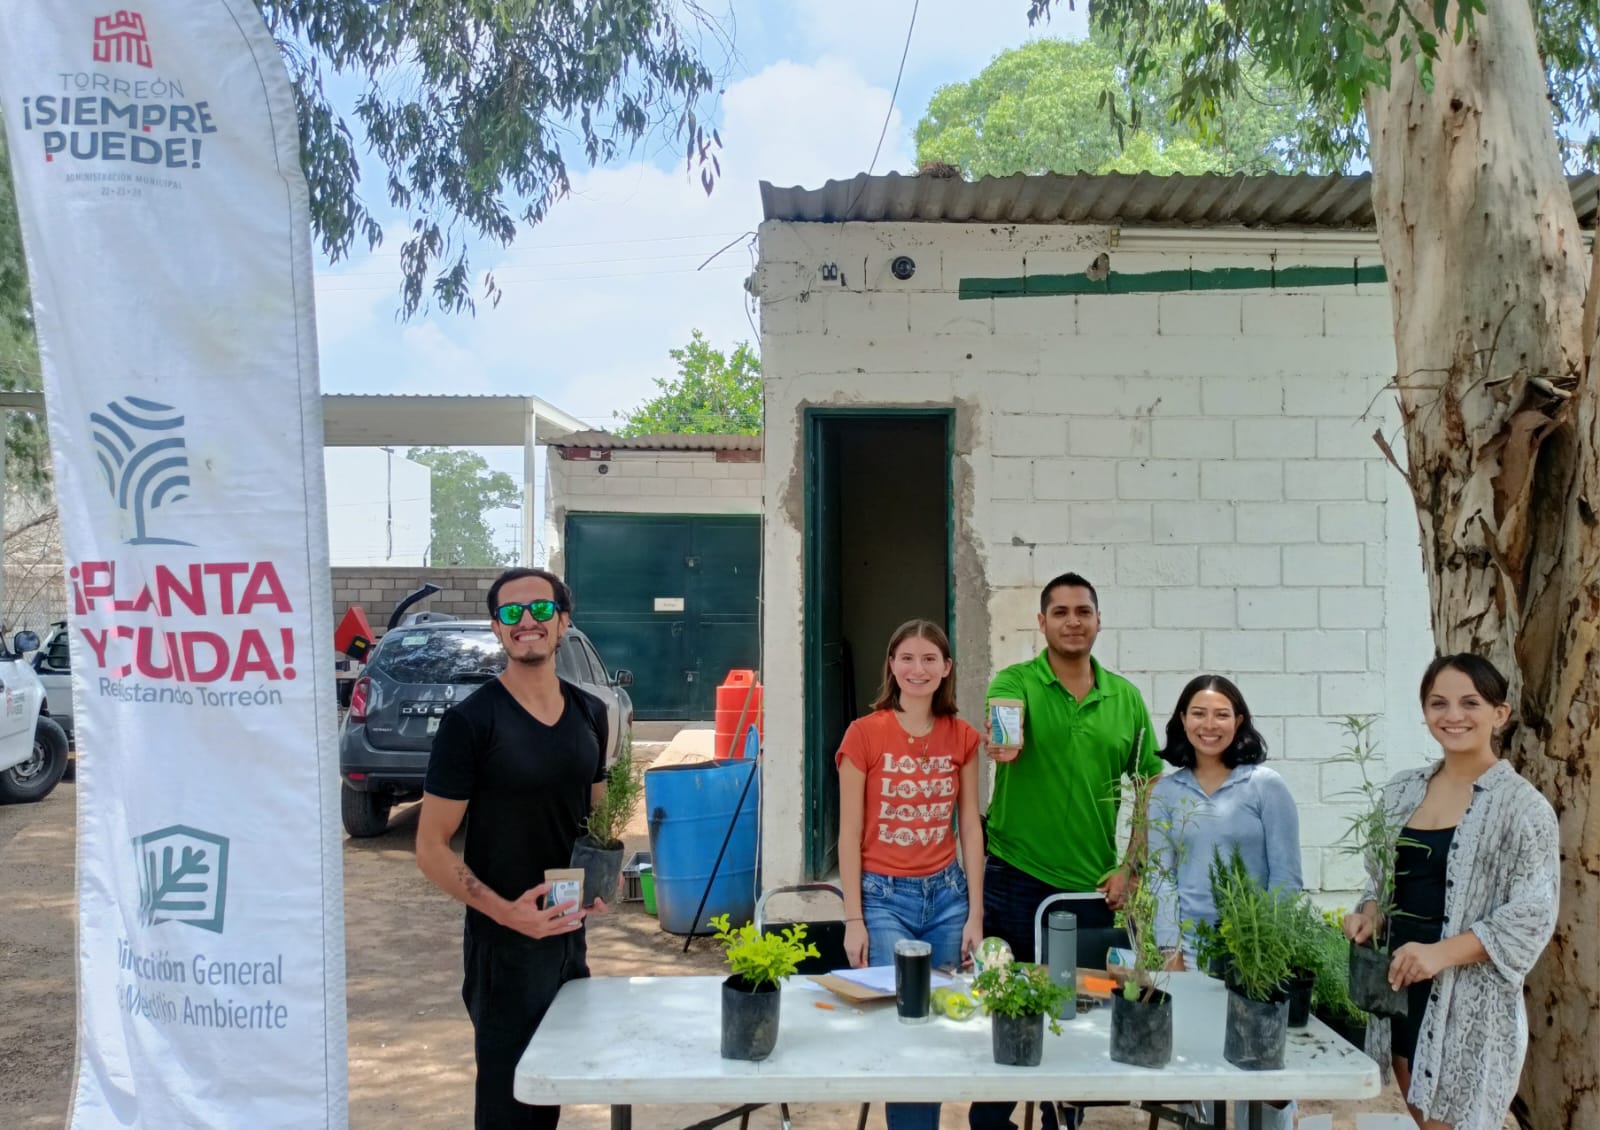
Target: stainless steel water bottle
x=1061, y=957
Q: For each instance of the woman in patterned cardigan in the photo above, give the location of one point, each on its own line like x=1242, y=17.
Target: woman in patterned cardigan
x=1476, y=882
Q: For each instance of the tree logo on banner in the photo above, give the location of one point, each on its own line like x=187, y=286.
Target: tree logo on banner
x=144, y=459
x=120, y=38
x=183, y=877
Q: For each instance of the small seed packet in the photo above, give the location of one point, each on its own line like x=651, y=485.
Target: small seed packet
x=566, y=885
x=1005, y=721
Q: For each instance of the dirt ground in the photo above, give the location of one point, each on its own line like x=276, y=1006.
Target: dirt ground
x=410, y=1044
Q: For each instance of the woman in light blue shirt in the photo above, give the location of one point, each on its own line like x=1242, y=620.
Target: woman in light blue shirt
x=1220, y=799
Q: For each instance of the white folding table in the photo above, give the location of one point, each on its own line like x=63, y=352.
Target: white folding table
x=637, y=1040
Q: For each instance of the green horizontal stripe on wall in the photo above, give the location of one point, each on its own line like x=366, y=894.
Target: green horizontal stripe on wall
x=1168, y=282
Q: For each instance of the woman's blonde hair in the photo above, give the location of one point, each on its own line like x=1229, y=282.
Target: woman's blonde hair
x=944, y=699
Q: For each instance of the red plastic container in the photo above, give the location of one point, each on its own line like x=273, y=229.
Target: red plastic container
x=738, y=687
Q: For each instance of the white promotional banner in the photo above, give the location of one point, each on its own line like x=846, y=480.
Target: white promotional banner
x=164, y=215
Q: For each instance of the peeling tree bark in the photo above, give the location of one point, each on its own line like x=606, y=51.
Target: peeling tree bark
x=1498, y=383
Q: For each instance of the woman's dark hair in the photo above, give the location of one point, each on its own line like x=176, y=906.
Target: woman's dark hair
x=944, y=699
x=1486, y=677
x=1248, y=748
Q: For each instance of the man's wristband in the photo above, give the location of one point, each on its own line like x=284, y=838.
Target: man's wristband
x=855, y=919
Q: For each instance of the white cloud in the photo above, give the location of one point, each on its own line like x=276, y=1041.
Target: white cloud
x=608, y=283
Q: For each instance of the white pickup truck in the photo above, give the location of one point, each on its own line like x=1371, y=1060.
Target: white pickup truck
x=33, y=749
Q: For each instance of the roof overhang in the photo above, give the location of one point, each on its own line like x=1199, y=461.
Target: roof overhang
x=442, y=421
x=1267, y=201
x=431, y=421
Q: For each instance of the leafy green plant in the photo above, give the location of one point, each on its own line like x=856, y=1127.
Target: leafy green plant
x=1208, y=947
x=1307, y=932
x=1331, y=994
x=1257, y=928
x=624, y=788
x=1138, y=913
x=763, y=959
x=1373, y=834
x=1017, y=989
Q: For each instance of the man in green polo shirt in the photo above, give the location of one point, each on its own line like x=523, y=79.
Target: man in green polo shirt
x=1052, y=820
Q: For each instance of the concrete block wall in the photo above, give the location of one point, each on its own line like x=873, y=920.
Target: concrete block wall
x=1206, y=458
x=378, y=589
x=645, y=482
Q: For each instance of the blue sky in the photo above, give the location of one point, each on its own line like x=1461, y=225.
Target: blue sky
x=597, y=294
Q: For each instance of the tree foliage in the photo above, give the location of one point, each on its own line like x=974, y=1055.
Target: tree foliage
x=27, y=444
x=475, y=110
x=1201, y=57
x=1043, y=107
x=464, y=490
x=713, y=394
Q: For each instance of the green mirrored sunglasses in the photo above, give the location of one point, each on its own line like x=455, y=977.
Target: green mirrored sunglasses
x=511, y=614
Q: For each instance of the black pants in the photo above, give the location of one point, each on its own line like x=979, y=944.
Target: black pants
x=508, y=985
x=1011, y=899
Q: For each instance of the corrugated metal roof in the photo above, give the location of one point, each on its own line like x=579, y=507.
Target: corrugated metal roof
x=670, y=442
x=1209, y=200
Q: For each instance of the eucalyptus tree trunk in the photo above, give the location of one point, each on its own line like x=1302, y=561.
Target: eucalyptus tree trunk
x=1497, y=386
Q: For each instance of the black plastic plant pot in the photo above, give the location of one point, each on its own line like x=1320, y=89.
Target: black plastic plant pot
x=602, y=869
x=1369, y=984
x=1018, y=1040
x=1298, y=989
x=1255, y=1032
x=1141, y=1029
x=1352, y=1032
x=749, y=1019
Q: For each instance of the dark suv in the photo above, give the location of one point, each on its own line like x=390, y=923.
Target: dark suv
x=415, y=674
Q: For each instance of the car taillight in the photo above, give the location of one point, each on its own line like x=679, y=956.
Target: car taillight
x=358, y=699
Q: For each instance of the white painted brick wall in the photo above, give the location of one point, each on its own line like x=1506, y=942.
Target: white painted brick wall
x=1029, y=435
x=1325, y=479
x=1206, y=459
x=1275, y=523
x=1108, y=439
x=1259, y=480
x=1157, y=478
x=1191, y=439
x=1240, y=565
x=1266, y=609
x=665, y=482
x=1100, y=522
x=1194, y=608
x=1275, y=438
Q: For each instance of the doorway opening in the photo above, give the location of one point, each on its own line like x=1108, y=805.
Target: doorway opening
x=878, y=543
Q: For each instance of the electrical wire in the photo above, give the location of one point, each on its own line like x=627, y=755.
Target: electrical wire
x=894, y=96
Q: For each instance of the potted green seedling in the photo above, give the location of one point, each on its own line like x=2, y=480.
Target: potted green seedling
x=1256, y=926
x=1330, y=997
x=759, y=964
x=1020, y=999
x=599, y=850
x=1373, y=835
x=1141, y=1010
x=1306, y=930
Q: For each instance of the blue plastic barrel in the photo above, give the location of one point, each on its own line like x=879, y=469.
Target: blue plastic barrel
x=690, y=808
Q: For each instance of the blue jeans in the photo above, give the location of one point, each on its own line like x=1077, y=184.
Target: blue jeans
x=922, y=908
x=1011, y=899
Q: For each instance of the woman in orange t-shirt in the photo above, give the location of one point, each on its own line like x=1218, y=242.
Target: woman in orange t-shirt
x=908, y=777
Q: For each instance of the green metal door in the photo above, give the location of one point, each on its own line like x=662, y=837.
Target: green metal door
x=673, y=598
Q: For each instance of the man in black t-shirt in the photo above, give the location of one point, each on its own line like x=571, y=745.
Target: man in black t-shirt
x=526, y=755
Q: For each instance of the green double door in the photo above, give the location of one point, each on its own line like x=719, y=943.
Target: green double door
x=672, y=598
